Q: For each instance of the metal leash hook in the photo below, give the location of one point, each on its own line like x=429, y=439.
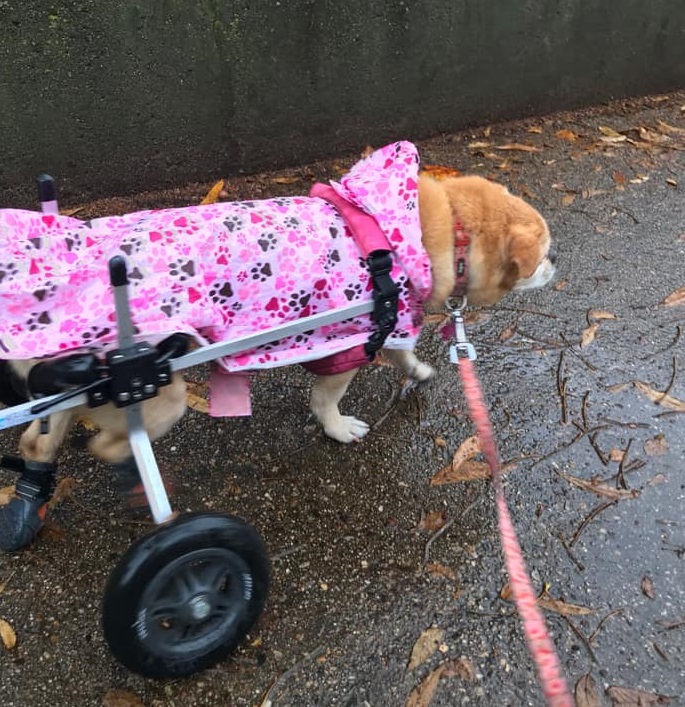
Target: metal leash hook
x=461, y=348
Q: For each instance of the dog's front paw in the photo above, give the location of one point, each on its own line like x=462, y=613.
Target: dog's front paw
x=347, y=429
x=422, y=372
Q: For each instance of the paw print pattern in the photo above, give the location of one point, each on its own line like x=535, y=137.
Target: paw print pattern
x=353, y=292
x=332, y=258
x=44, y=292
x=267, y=242
x=8, y=270
x=221, y=292
x=234, y=223
x=38, y=320
x=131, y=246
x=171, y=306
x=94, y=334
x=299, y=300
x=182, y=271
x=261, y=272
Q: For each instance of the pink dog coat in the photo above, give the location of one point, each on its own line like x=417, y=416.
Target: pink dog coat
x=215, y=272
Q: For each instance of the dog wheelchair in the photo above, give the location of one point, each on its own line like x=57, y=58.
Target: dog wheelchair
x=185, y=595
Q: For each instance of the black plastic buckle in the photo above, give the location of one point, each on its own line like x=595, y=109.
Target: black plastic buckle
x=135, y=374
x=385, y=297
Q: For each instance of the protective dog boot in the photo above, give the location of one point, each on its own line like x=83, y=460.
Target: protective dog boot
x=22, y=517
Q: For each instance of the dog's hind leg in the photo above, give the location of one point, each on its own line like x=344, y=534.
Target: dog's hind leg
x=407, y=362
x=327, y=392
x=42, y=446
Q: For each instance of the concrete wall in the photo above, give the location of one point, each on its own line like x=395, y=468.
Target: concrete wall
x=122, y=95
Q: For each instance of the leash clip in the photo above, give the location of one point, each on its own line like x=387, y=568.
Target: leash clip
x=461, y=348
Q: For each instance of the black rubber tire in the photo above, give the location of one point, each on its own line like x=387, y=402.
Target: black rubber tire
x=198, y=562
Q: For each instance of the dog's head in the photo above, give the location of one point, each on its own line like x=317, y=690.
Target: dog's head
x=510, y=246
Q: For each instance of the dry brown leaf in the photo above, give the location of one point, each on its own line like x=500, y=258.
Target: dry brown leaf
x=71, y=212
x=424, y=692
x=440, y=570
x=432, y=521
x=588, y=335
x=676, y=297
x=426, y=644
x=460, y=667
x=669, y=129
x=566, y=135
x=589, y=193
x=668, y=401
x=467, y=471
x=467, y=450
x=610, y=132
x=479, y=145
x=63, y=491
x=439, y=172
x=561, y=285
x=671, y=182
x=586, y=692
x=617, y=455
x=287, y=179
x=619, y=179
x=368, y=150
x=656, y=446
x=7, y=634
x=537, y=129
x=559, y=606
x=121, y=698
x=595, y=314
x=518, y=147
x=213, y=194
x=656, y=480
x=626, y=697
x=647, y=587
x=7, y=494
x=507, y=333
x=568, y=199
x=601, y=489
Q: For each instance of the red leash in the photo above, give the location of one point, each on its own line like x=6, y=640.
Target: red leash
x=540, y=644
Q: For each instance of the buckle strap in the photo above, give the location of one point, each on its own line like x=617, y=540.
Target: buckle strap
x=385, y=297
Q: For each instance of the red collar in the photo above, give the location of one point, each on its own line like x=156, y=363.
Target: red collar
x=461, y=260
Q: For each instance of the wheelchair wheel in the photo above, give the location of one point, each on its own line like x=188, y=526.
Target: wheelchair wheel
x=184, y=597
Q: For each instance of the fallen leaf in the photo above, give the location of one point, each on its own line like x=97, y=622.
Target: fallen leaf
x=467, y=450
x=594, y=314
x=121, y=698
x=588, y=335
x=479, y=145
x=287, y=179
x=426, y=644
x=601, y=489
x=647, y=587
x=656, y=446
x=676, y=297
x=559, y=606
x=460, y=667
x=368, y=150
x=7, y=494
x=561, y=285
x=440, y=570
x=424, y=692
x=589, y=193
x=440, y=442
x=431, y=522
x=610, y=132
x=213, y=194
x=669, y=129
x=625, y=697
x=529, y=193
x=196, y=397
x=487, y=131
x=537, y=129
x=617, y=455
x=566, y=135
x=467, y=471
x=518, y=147
x=671, y=182
x=656, y=480
x=619, y=179
x=568, y=199
x=658, y=397
x=63, y=491
x=507, y=333
x=586, y=692
x=7, y=634
x=439, y=172
x=71, y=212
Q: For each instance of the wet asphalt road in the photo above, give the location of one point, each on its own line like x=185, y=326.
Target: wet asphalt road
x=350, y=594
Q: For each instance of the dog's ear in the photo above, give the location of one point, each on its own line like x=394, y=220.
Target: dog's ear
x=511, y=275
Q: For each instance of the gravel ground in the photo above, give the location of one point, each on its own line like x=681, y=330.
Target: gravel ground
x=568, y=373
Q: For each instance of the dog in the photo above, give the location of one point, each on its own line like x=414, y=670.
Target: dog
x=49, y=266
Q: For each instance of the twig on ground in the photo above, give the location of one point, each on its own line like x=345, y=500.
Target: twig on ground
x=278, y=683
x=615, y=612
x=669, y=387
x=589, y=518
x=593, y=441
x=572, y=556
x=436, y=535
x=620, y=476
x=582, y=637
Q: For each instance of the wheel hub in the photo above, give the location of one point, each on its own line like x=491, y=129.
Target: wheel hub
x=200, y=607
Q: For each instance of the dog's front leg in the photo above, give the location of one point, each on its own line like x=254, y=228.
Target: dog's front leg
x=406, y=361
x=327, y=393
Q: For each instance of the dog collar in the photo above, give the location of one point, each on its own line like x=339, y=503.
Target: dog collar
x=461, y=260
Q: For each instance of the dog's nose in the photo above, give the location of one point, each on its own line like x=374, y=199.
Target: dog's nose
x=552, y=255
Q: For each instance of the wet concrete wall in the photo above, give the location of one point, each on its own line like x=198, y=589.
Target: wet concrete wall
x=122, y=95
